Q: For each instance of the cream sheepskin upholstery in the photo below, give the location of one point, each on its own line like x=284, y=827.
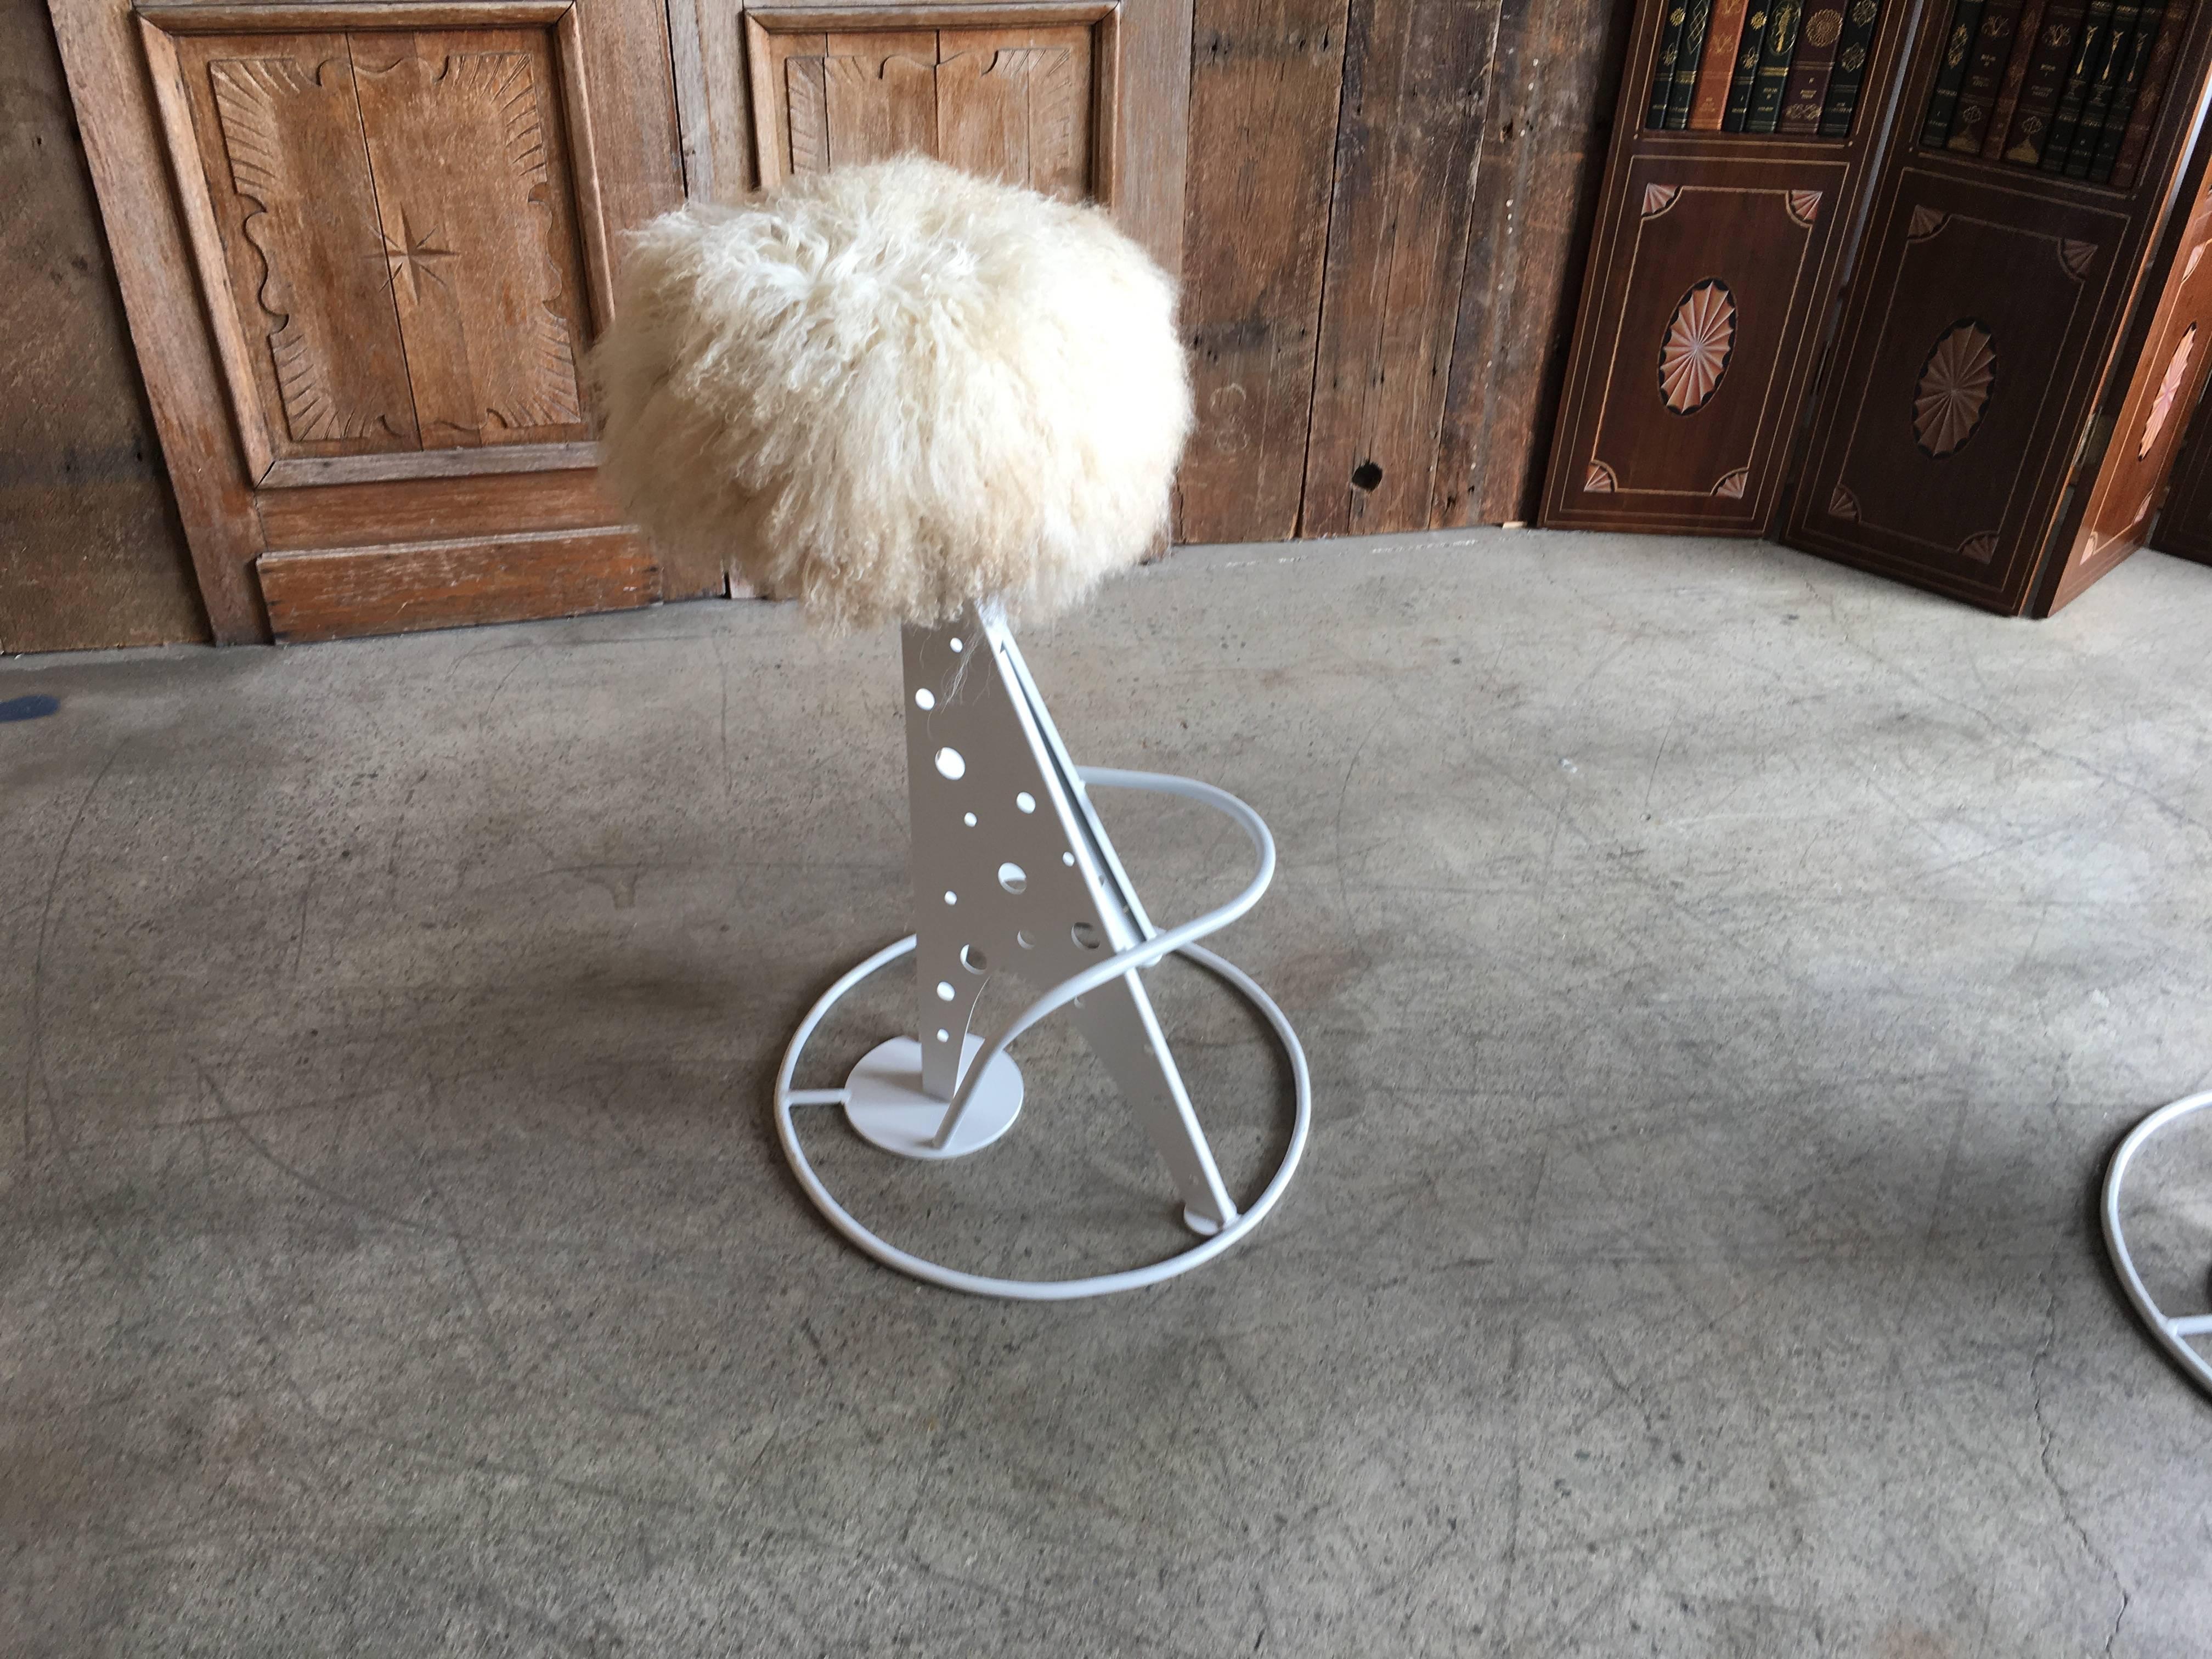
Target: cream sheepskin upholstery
x=889, y=390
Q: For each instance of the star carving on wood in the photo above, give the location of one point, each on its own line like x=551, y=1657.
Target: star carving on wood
x=416, y=257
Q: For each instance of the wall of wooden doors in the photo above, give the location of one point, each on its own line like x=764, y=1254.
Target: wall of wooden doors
x=1378, y=208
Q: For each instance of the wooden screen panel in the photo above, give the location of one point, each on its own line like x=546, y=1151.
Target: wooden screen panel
x=1940, y=447
x=2185, y=522
x=395, y=228
x=1023, y=102
x=275, y=129
x=2169, y=376
x=1711, y=275
x=1687, y=397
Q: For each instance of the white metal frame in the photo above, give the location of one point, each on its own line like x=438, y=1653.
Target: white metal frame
x=1013, y=872
x=2170, y=1333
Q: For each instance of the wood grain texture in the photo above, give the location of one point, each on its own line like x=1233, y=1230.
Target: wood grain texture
x=1416, y=76
x=1553, y=80
x=265, y=136
x=1134, y=162
x=468, y=145
x=125, y=147
x=92, y=554
x=1265, y=76
x=342, y=594
x=442, y=509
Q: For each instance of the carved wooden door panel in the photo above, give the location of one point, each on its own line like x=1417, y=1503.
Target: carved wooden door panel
x=1009, y=103
x=1078, y=99
x=363, y=298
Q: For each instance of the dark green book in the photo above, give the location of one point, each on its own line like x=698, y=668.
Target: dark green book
x=2124, y=101
x=1663, y=75
x=2120, y=47
x=1697, y=18
x=1745, y=81
x=1957, y=54
x=2089, y=56
x=1850, y=68
x=1774, y=55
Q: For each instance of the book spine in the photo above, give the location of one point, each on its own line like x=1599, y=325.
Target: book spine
x=1723, y=35
x=1687, y=57
x=1986, y=74
x=1958, y=50
x=2015, y=75
x=2119, y=46
x=1850, y=68
x=1774, y=67
x=1745, y=81
x=2123, y=101
x=2150, y=94
x=1662, y=72
x=1807, y=93
x=2088, y=58
x=2046, y=79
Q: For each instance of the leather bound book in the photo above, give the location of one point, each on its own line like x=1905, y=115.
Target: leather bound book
x=1781, y=45
x=1807, y=93
x=1986, y=72
x=1723, y=35
x=2122, y=113
x=1745, y=81
x=1687, y=59
x=1850, y=68
x=2119, y=46
x=1958, y=52
x=2150, y=94
x=2015, y=76
x=2046, y=79
x=1662, y=72
x=2088, y=59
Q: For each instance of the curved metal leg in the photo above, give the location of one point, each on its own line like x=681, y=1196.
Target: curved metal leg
x=2170, y=1333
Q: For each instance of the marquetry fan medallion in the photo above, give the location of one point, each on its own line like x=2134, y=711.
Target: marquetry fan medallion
x=1953, y=391
x=1694, y=352
x=2177, y=369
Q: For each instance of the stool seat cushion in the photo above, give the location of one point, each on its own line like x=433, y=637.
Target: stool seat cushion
x=895, y=390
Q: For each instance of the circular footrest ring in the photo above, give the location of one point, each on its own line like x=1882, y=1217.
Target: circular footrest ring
x=1030, y=1290
x=2170, y=1333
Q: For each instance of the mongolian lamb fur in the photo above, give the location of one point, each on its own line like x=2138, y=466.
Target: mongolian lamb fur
x=892, y=391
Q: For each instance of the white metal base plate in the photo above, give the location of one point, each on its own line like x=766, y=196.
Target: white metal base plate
x=886, y=1107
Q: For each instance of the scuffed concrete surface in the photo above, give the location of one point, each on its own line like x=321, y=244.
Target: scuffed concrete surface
x=1724, y=975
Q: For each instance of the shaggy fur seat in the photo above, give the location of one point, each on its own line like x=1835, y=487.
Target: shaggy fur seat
x=892, y=391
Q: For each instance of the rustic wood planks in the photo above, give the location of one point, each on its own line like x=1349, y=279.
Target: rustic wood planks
x=1416, y=76
x=1264, y=79
x=1553, y=78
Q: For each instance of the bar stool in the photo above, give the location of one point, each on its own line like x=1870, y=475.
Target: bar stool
x=901, y=393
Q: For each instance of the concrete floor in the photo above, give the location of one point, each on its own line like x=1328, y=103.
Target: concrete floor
x=1724, y=974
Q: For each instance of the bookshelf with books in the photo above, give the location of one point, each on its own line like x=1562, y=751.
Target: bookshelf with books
x=2030, y=315
x=1745, y=137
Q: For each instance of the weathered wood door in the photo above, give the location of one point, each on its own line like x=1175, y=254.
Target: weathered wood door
x=364, y=248
x=1081, y=99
